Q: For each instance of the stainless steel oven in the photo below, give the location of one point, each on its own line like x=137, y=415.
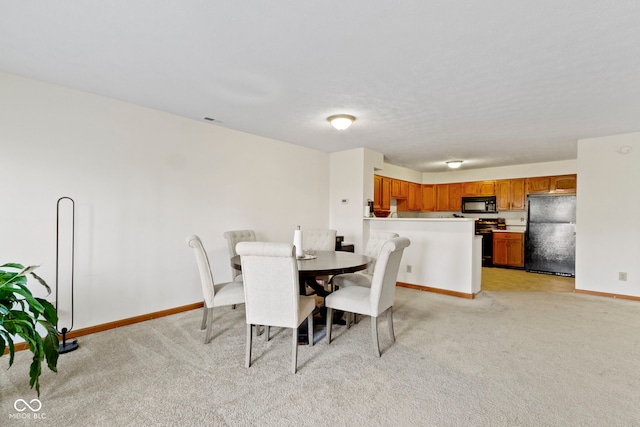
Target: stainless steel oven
x=484, y=228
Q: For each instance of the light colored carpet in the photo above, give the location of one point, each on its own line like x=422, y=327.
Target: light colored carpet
x=503, y=359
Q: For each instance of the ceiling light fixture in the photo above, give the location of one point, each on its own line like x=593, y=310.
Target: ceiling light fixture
x=341, y=121
x=454, y=164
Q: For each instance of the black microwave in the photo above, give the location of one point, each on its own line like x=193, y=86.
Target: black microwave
x=479, y=204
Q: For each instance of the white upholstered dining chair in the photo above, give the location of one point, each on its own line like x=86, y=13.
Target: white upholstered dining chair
x=233, y=238
x=319, y=240
x=376, y=299
x=363, y=278
x=270, y=276
x=215, y=295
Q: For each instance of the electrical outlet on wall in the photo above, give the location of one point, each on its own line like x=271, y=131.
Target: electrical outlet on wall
x=622, y=276
x=408, y=268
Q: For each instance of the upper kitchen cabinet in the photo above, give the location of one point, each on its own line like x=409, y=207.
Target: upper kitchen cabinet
x=399, y=189
x=442, y=197
x=428, y=198
x=539, y=184
x=564, y=184
x=381, y=193
x=552, y=184
x=479, y=188
x=414, y=199
x=455, y=197
x=510, y=194
x=448, y=197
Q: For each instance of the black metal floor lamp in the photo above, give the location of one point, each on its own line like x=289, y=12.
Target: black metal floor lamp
x=66, y=347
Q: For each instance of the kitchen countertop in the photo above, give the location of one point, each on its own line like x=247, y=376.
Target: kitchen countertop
x=420, y=219
x=508, y=231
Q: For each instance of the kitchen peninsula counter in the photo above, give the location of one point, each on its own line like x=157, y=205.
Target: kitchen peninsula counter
x=445, y=255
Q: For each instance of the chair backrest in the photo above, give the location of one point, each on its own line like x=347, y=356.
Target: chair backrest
x=374, y=244
x=319, y=240
x=270, y=276
x=204, y=268
x=385, y=273
x=233, y=238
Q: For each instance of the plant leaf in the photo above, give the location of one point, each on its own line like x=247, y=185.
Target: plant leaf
x=28, y=296
x=3, y=345
x=50, y=314
x=9, y=343
x=42, y=282
x=51, y=346
x=12, y=265
x=20, y=312
x=34, y=373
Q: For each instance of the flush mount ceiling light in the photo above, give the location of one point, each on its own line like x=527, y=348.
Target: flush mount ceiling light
x=454, y=164
x=341, y=121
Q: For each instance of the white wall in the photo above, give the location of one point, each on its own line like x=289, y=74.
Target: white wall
x=608, y=230
x=351, y=176
x=347, y=183
x=142, y=180
x=563, y=167
x=398, y=172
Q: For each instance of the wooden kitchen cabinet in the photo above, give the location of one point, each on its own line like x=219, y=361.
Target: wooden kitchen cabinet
x=448, y=197
x=399, y=189
x=564, y=184
x=428, y=198
x=518, y=195
x=377, y=191
x=508, y=249
x=539, y=184
x=442, y=197
x=455, y=197
x=414, y=198
x=479, y=188
x=510, y=194
x=381, y=193
x=552, y=184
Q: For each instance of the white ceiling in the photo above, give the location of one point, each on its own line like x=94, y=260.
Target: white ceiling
x=491, y=82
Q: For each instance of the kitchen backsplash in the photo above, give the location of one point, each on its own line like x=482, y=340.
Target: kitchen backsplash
x=515, y=220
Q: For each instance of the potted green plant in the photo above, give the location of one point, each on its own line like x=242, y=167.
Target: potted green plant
x=20, y=312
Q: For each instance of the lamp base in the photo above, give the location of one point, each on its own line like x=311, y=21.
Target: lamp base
x=66, y=347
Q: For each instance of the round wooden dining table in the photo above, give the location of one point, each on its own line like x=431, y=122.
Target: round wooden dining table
x=325, y=263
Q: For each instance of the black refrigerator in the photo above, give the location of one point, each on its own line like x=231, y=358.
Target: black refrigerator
x=550, y=240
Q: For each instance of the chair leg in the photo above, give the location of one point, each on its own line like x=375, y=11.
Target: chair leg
x=247, y=360
x=205, y=310
x=294, y=353
x=329, y=323
x=267, y=329
x=349, y=316
x=209, y=316
x=310, y=329
x=390, y=321
x=374, y=335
